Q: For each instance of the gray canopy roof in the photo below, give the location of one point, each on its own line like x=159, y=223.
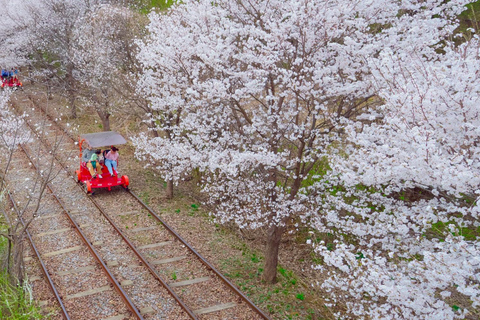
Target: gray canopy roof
x=102, y=139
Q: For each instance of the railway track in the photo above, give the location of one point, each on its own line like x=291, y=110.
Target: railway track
x=196, y=286
x=62, y=250
x=85, y=284
x=42, y=266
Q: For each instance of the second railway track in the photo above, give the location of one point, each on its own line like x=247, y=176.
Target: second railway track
x=87, y=293
x=172, y=265
x=63, y=251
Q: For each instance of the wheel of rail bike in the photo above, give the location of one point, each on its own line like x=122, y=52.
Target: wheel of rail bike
x=125, y=182
x=87, y=187
x=77, y=176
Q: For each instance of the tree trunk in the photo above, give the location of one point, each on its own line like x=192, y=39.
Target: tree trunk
x=19, y=270
x=9, y=252
x=274, y=236
x=71, y=102
x=70, y=82
x=104, y=116
x=169, y=182
x=170, y=189
x=8, y=260
x=49, y=91
x=106, y=122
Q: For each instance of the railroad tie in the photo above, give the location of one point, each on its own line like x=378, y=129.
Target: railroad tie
x=76, y=270
x=113, y=263
x=128, y=213
x=169, y=260
x=42, y=234
x=218, y=307
x=48, y=216
x=88, y=292
x=155, y=245
x=126, y=283
x=19, y=171
x=188, y=282
x=52, y=232
x=143, y=229
x=143, y=311
x=117, y=317
x=18, y=178
x=34, y=278
x=43, y=303
x=16, y=160
x=146, y=310
x=56, y=253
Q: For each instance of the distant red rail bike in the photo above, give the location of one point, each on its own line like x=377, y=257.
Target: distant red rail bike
x=11, y=82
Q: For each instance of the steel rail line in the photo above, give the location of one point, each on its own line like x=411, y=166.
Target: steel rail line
x=144, y=261
x=92, y=250
x=142, y=258
x=42, y=264
x=201, y=258
x=175, y=234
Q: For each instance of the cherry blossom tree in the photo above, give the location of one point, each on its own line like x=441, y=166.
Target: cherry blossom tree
x=53, y=37
x=43, y=35
x=255, y=94
x=14, y=38
x=83, y=49
x=12, y=133
x=105, y=56
x=406, y=196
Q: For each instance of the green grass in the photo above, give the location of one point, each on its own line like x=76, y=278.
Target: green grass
x=286, y=299
x=470, y=18
x=145, y=6
x=472, y=12
x=145, y=196
x=15, y=302
x=193, y=209
x=440, y=229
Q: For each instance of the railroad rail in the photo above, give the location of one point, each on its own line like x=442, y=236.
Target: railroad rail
x=128, y=302
x=40, y=260
x=200, y=257
x=191, y=252
x=122, y=294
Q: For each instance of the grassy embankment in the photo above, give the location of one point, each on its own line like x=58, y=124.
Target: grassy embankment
x=16, y=302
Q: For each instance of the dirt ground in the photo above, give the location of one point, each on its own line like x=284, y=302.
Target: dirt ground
x=238, y=254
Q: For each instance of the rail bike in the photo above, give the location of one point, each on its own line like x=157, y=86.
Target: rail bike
x=11, y=82
x=89, y=144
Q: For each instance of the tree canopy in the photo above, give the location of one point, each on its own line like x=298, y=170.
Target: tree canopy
x=353, y=119
x=329, y=113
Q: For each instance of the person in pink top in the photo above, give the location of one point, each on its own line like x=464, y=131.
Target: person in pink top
x=111, y=159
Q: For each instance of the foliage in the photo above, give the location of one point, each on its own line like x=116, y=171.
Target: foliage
x=104, y=54
x=79, y=48
x=418, y=256
x=255, y=95
x=358, y=117
x=146, y=6
x=17, y=302
x=12, y=132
